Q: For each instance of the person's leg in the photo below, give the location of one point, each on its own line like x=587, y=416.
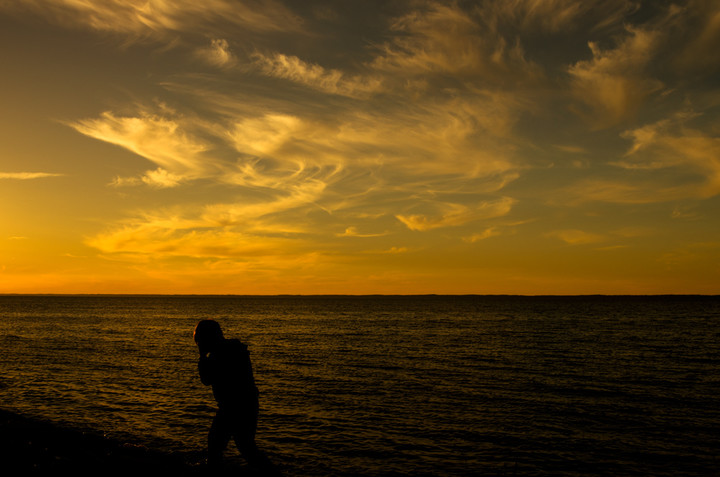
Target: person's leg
x=218, y=438
x=252, y=454
x=244, y=436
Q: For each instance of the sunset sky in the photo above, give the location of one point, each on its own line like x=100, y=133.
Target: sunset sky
x=394, y=146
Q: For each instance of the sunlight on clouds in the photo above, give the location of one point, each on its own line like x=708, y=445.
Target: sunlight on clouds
x=485, y=234
x=451, y=215
x=161, y=178
x=125, y=181
x=157, y=241
x=312, y=165
x=155, y=138
x=264, y=136
x=180, y=234
x=315, y=76
x=217, y=54
x=336, y=146
x=295, y=196
x=437, y=139
x=352, y=166
x=699, y=153
x=28, y=175
x=614, y=84
x=153, y=17
x=445, y=39
x=670, y=144
x=462, y=136
x=284, y=154
x=280, y=150
x=670, y=161
x=353, y=232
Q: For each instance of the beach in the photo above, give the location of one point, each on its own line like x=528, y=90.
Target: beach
x=35, y=447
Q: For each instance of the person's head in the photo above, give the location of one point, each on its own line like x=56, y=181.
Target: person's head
x=207, y=333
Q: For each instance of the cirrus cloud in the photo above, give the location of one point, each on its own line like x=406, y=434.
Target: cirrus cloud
x=451, y=215
x=143, y=18
x=28, y=175
x=614, y=83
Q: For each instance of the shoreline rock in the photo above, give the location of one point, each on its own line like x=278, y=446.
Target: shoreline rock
x=35, y=447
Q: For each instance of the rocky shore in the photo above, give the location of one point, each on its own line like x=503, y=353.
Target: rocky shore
x=34, y=447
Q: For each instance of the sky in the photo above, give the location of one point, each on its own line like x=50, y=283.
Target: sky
x=360, y=147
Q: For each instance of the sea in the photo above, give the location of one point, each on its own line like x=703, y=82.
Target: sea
x=389, y=385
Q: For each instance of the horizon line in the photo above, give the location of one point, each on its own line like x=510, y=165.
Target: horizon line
x=580, y=295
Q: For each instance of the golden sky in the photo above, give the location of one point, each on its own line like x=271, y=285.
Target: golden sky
x=322, y=147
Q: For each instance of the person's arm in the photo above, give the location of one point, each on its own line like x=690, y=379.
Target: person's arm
x=205, y=368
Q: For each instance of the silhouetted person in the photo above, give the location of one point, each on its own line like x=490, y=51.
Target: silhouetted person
x=225, y=365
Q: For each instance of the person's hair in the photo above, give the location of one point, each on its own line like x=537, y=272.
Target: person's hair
x=207, y=330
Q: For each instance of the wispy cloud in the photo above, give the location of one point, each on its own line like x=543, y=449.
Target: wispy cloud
x=298, y=195
x=615, y=83
x=143, y=18
x=353, y=232
x=685, y=213
x=576, y=237
x=608, y=190
x=667, y=160
x=557, y=15
x=331, y=81
x=443, y=38
x=451, y=215
x=700, y=20
x=669, y=144
x=621, y=237
x=447, y=154
x=162, y=140
x=218, y=54
x=485, y=234
x=275, y=147
x=28, y=175
x=159, y=178
x=571, y=149
x=156, y=240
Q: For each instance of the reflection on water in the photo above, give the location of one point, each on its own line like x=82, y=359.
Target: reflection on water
x=391, y=385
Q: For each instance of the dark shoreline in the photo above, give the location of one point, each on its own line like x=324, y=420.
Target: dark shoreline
x=35, y=447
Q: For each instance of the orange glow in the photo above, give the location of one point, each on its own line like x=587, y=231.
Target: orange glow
x=510, y=148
